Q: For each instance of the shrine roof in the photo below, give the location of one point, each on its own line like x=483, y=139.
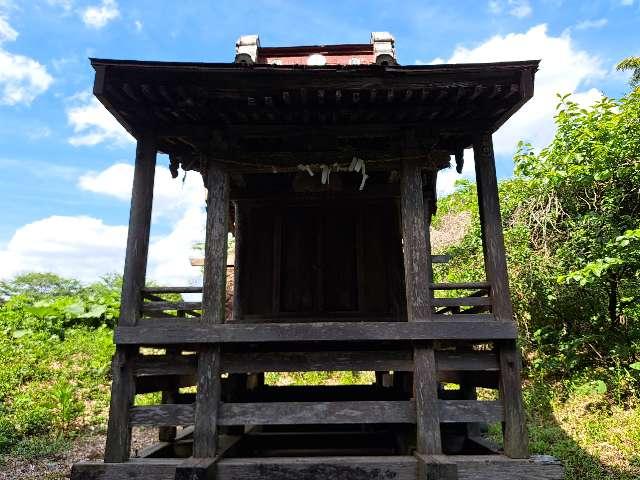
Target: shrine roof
x=274, y=109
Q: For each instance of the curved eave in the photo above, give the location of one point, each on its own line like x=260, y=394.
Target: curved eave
x=181, y=99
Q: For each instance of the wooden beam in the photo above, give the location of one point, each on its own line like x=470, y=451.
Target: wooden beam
x=159, y=306
x=172, y=290
x=436, y=467
x=417, y=272
x=397, y=467
x=495, y=260
x=118, y=443
x=319, y=413
x=451, y=327
x=213, y=311
x=461, y=286
x=461, y=302
x=258, y=362
x=318, y=468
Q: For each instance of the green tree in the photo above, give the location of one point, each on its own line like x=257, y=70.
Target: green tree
x=571, y=221
x=39, y=285
x=633, y=64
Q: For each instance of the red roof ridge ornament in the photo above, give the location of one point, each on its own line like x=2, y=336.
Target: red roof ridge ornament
x=380, y=50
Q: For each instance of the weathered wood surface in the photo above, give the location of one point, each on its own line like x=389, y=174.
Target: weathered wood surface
x=498, y=467
x=196, y=469
x=118, y=443
x=282, y=413
x=317, y=413
x=458, y=99
x=495, y=259
x=157, y=470
x=461, y=286
x=163, y=332
x=316, y=361
x=460, y=302
x=436, y=467
x=171, y=395
x=213, y=311
x=440, y=258
x=135, y=265
x=469, y=467
x=417, y=275
x=158, y=306
x=425, y=386
x=453, y=411
x=417, y=262
x=172, y=290
x=258, y=362
x=514, y=427
x=515, y=436
x=318, y=468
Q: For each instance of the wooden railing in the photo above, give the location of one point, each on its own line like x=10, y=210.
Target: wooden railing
x=154, y=303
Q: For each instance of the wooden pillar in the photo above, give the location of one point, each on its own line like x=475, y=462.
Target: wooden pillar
x=213, y=311
x=417, y=266
x=495, y=262
x=135, y=267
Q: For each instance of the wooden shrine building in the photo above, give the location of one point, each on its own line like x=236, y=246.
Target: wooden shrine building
x=322, y=161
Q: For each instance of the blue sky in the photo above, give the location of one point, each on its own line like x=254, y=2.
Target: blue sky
x=66, y=165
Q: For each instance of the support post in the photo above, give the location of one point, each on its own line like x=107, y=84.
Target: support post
x=417, y=272
x=495, y=261
x=213, y=311
x=118, y=444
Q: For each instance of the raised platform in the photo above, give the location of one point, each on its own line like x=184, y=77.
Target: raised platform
x=396, y=467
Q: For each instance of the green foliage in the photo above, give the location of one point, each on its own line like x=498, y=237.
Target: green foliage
x=633, y=64
x=55, y=347
x=571, y=222
x=39, y=285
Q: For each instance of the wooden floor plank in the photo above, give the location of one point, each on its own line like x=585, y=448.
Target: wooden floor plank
x=168, y=332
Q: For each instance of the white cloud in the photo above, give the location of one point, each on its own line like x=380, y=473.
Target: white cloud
x=495, y=6
x=516, y=8
x=7, y=33
x=563, y=69
x=138, y=25
x=626, y=3
x=591, y=24
x=169, y=255
x=79, y=247
x=64, y=4
x=22, y=79
x=520, y=8
x=86, y=248
x=93, y=124
x=171, y=197
x=97, y=16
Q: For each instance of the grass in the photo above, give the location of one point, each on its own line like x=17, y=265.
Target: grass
x=596, y=440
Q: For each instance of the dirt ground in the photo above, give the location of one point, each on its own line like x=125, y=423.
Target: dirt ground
x=58, y=467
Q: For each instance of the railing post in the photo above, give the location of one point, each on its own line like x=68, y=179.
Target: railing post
x=135, y=268
x=213, y=311
x=417, y=272
x=495, y=261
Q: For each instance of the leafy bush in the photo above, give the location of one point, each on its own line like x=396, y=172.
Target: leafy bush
x=571, y=222
x=55, y=344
